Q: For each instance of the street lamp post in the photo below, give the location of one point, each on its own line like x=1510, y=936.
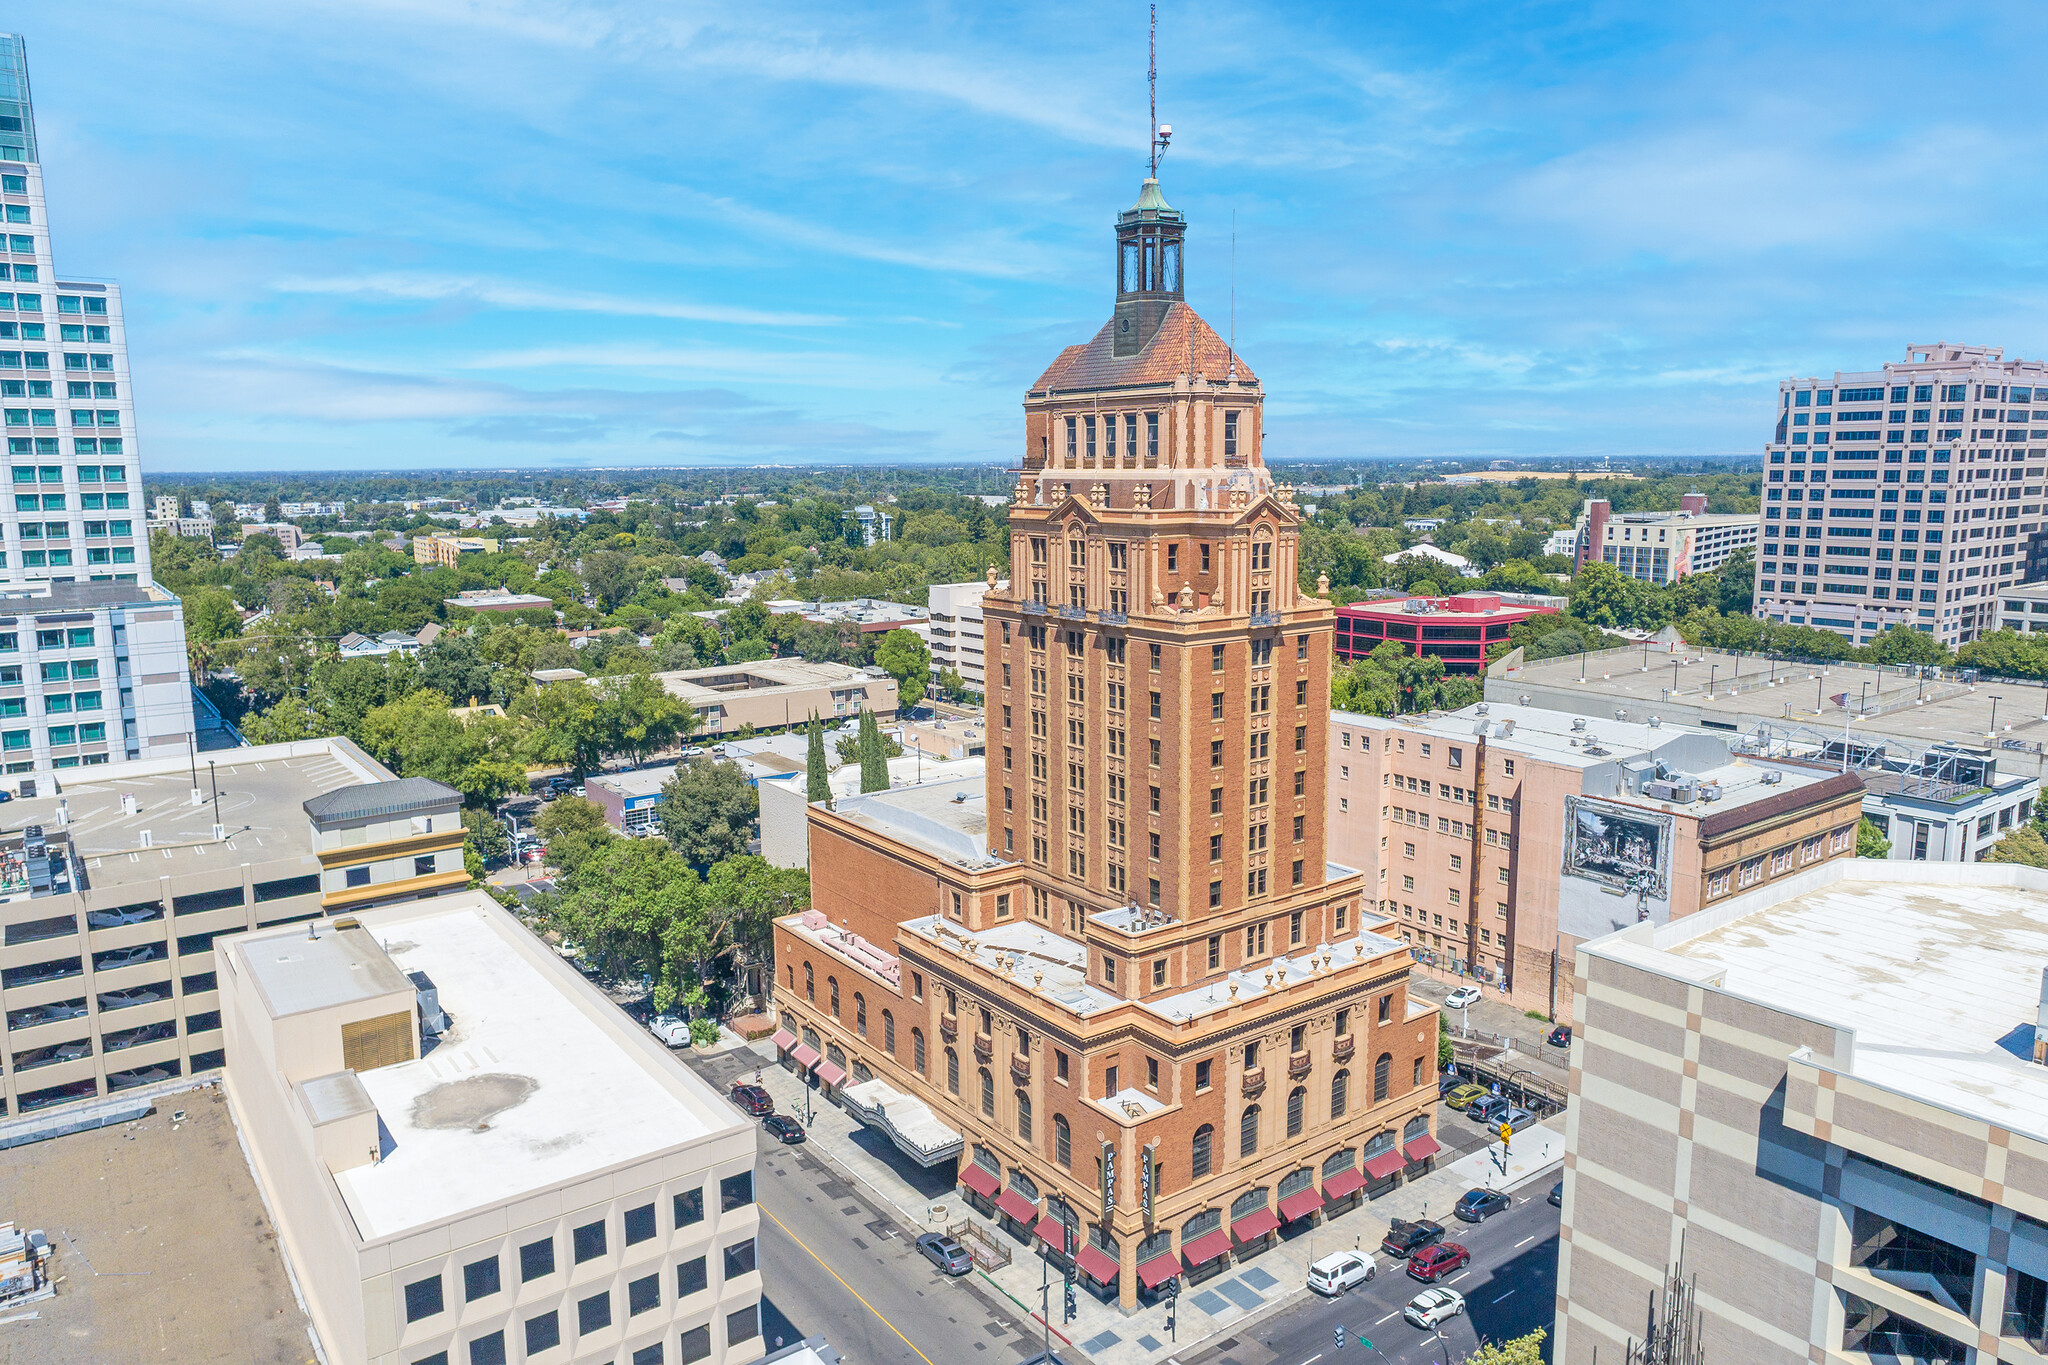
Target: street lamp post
x=1994, y=715
x=1713, y=671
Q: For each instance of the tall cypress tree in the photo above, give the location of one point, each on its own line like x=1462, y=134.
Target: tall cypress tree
x=816, y=788
x=874, y=756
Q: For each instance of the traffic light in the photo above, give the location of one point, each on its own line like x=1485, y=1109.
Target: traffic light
x=1338, y=1336
x=1070, y=1302
x=1506, y=1131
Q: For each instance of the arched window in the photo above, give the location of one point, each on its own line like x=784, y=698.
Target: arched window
x=788, y=974
x=1023, y=1116
x=1382, y=1071
x=1415, y=1128
x=917, y=1050
x=952, y=1071
x=888, y=1031
x=1201, y=1225
x=832, y=993
x=810, y=984
x=860, y=1014
x=988, y=1093
x=1248, y=1131
x=1340, y=1093
x=1297, y=1101
x=861, y=1074
x=1062, y=1141
x=1205, y=1138
x=1249, y=1203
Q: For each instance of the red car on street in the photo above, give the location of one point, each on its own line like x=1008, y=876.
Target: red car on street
x=1432, y=1263
x=753, y=1099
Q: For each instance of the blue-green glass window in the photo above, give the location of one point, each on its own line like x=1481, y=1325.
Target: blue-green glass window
x=93, y=733
x=56, y=672
x=63, y=734
x=85, y=668
x=67, y=303
x=60, y=558
x=50, y=473
x=14, y=739
x=124, y=554
x=24, y=473
x=57, y=703
x=113, y=473
x=53, y=502
x=81, y=637
x=86, y=701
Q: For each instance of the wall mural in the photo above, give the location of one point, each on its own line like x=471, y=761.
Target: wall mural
x=1622, y=847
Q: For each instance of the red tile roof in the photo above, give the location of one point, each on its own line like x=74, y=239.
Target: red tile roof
x=1182, y=344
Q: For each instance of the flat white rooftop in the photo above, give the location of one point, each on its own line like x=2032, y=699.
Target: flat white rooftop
x=1936, y=966
x=524, y=1092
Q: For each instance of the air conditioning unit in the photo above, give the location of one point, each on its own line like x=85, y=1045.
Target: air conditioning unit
x=1681, y=791
x=1772, y=777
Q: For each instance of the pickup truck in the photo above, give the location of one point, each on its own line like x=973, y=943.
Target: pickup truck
x=1405, y=1238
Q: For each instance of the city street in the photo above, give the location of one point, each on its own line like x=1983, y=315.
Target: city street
x=1510, y=1288
x=833, y=1265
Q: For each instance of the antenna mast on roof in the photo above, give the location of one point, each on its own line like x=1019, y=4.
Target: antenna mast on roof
x=1233, y=295
x=1158, y=134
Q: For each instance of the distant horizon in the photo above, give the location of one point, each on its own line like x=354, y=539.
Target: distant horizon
x=485, y=237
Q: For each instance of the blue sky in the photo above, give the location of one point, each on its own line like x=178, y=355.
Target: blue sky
x=445, y=233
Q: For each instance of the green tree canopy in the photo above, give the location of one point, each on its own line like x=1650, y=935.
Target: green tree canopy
x=708, y=811
x=573, y=829
x=2022, y=845
x=905, y=658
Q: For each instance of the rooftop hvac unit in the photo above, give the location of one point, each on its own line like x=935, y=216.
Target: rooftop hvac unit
x=1772, y=777
x=1681, y=791
x=1710, y=791
x=1578, y=724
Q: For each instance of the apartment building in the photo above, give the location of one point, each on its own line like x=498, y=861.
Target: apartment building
x=2024, y=608
x=1920, y=485
x=1660, y=547
x=444, y=551
x=778, y=693
x=1827, y=1095
x=957, y=640
x=73, y=466
x=114, y=886
x=1120, y=983
x=472, y=1155
x=1497, y=838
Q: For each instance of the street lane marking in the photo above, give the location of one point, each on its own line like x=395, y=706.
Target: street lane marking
x=1525, y=1241
x=1508, y=1295
x=1313, y=1359
x=1389, y=1316
x=849, y=1288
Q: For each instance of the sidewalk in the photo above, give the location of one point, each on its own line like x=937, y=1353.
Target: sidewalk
x=929, y=1200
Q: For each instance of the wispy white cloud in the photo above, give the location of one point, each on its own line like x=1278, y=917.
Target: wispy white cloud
x=506, y=294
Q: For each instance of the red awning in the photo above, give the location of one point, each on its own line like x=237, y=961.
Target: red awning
x=1206, y=1248
x=1015, y=1205
x=1422, y=1148
x=782, y=1039
x=1344, y=1184
x=1052, y=1232
x=1095, y=1263
x=976, y=1177
x=1253, y=1225
x=1384, y=1165
x=805, y=1055
x=1300, y=1204
x=830, y=1074
x=1159, y=1270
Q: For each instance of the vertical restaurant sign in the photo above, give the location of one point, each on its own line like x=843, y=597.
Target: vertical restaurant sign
x=1108, y=1179
x=1145, y=1177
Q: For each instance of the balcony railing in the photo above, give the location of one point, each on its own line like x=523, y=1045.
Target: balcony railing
x=1298, y=1065
x=1074, y=613
x=1344, y=1047
x=1020, y=1067
x=1254, y=1081
x=984, y=1046
x=1114, y=618
x=1265, y=618
x=1031, y=608
x=949, y=1024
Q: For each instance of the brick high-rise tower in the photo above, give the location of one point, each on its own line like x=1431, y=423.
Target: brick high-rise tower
x=1123, y=983
x=1158, y=684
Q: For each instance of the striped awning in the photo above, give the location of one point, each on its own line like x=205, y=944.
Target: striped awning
x=782, y=1039
x=1384, y=1165
x=977, y=1178
x=805, y=1055
x=830, y=1073
x=1253, y=1225
x=1206, y=1248
x=1095, y=1263
x=1421, y=1148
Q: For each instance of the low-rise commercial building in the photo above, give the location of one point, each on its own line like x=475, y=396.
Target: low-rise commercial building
x=778, y=693
x=1499, y=837
x=472, y=1155
x=1828, y=1096
x=498, y=599
x=1459, y=630
x=118, y=883
x=2025, y=608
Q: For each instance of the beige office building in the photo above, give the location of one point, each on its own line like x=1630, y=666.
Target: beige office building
x=473, y=1157
x=775, y=693
x=1828, y=1093
x=114, y=886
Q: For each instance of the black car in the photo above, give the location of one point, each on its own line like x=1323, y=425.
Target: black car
x=948, y=1255
x=1557, y=1194
x=784, y=1128
x=1476, y=1206
x=1405, y=1238
x=1561, y=1036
